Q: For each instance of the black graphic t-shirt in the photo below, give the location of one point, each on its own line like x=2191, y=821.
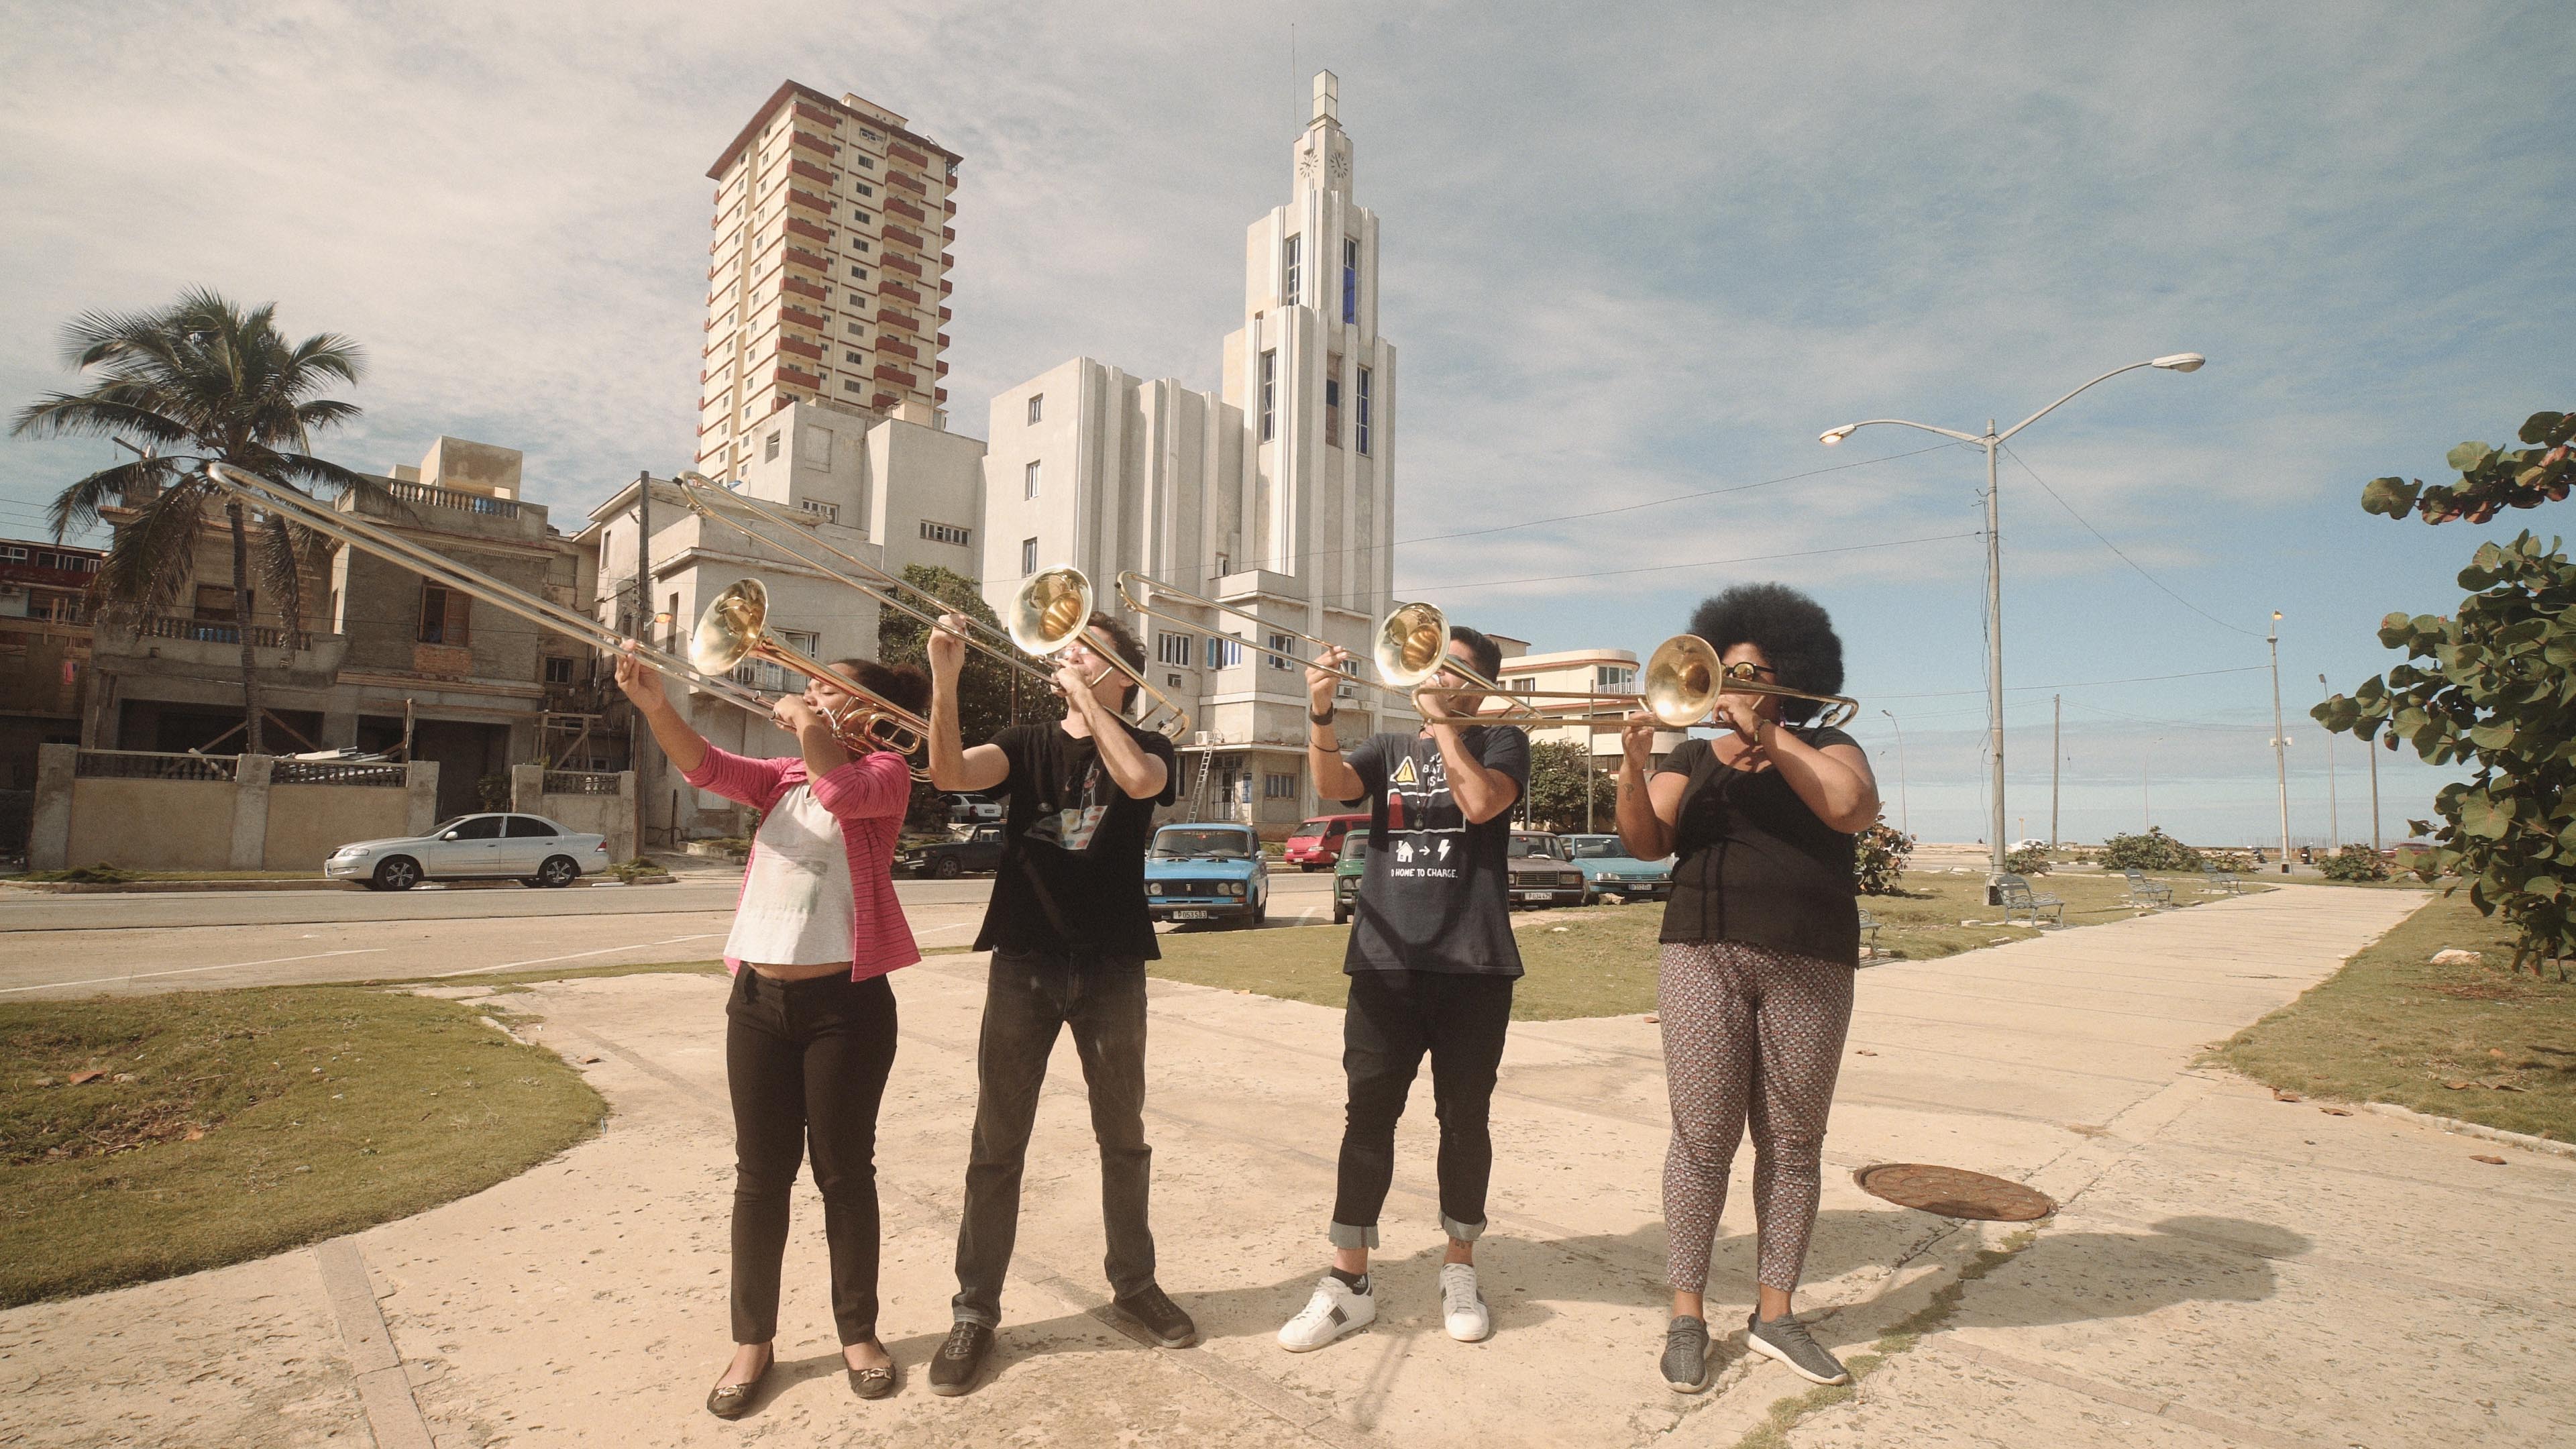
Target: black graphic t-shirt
x=1072, y=873
x=1752, y=863
x=1437, y=892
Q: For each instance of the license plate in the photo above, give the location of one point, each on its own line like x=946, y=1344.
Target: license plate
x=1532, y=895
x=1191, y=915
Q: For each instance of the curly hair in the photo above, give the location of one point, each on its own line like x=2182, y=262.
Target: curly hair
x=902, y=684
x=1792, y=629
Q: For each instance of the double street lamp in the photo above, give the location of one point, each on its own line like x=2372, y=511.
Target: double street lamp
x=1990, y=440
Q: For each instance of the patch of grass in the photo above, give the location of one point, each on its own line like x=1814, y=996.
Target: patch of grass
x=2478, y=1042
x=1601, y=960
x=232, y=1124
x=554, y=973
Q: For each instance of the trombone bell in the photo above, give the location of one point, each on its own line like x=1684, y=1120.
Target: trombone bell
x=1050, y=611
x=731, y=628
x=1412, y=644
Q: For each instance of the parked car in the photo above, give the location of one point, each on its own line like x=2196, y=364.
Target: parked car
x=972, y=809
x=528, y=848
x=1347, y=872
x=1542, y=872
x=1609, y=870
x=1205, y=871
x=2031, y=844
x=1318, y=843
x=949, y=859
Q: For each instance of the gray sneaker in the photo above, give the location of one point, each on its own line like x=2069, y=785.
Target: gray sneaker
x=1786, y=1340
x=1686, y=1355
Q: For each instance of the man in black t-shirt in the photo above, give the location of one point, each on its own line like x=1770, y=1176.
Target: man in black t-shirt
x=1432, y=962
x=1070, y=937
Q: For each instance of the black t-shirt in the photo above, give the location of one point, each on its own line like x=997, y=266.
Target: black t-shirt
x=1752, y=863
x=1072, y=873
x=1437, y=892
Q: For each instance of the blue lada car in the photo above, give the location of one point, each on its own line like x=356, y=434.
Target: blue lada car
x=1609, y=870
x=1207, y=872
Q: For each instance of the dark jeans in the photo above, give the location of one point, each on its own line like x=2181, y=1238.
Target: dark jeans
x=807, y=1062
x=1392, y=1019
x=1028, y=997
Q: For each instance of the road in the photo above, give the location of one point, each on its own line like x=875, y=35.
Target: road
x=81, y=945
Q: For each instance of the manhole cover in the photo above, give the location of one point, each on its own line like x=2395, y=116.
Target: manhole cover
x=1954, y=1192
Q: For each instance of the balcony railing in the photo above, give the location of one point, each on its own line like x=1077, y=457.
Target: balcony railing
x=581, y=782
x=329, y=772
x=140, y=765
x=208, y=631
x=450, y=498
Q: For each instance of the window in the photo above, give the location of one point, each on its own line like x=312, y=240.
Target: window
x=1172, y=647
x=529, y=827
x=852, y=384
x=1224, y=653
x=445, y=616
x=1029, y=481
x=1614, y=678
x=801, y=641
x=1037, y=406
x=828, y=512
x=1288, y=270
x=1361, y=440
x=769, y=449
x=1524, y=685
x=1333, y=401
x=475, y=827
x=946, y=533
x=861, y=217
x=1172, y=680
x=1278, y=787
x=558, y=669
x=1280, y=643
x=1350, y=279
x=848, y=355
x=864, y=160
x=1028, y=557
x=859, y=272
x=214, y=602
x=859, y=242
x=14, y=554
x=863, y=188
x=1269, y=386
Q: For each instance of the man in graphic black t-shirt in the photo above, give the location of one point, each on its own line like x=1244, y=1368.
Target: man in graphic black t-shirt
x=1070, y=937
x=1432, y=962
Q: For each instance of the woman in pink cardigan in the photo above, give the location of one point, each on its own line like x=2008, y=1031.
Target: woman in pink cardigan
x=810, y=1027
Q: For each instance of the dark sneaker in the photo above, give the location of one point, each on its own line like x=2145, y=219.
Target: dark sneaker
x=1786, y=1340
x=1686, y=1355
x=960, y=1359
x=1161, y=1318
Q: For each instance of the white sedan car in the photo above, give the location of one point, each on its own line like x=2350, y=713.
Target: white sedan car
x=527, y=848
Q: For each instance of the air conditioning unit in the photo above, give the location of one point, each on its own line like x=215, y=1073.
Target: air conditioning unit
x=1202, y=739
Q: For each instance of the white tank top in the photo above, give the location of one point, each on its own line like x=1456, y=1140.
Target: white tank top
x=796, y=909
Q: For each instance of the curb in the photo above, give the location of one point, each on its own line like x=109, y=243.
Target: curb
x=180, y=887
x=2459, y=1128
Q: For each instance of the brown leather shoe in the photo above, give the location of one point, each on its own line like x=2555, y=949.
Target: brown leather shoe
x=732, y=1401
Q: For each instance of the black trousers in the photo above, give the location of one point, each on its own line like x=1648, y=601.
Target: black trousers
x=1029, y=996
x=807, y=1062
x=1393, y=1018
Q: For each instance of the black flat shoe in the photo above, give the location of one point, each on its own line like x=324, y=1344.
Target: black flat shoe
x=872, y=1383
x=732, y=1401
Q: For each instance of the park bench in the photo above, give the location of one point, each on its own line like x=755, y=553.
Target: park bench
x=2214, y=879
x=2145, y=893
x=2017, y=897
x=1869, y=932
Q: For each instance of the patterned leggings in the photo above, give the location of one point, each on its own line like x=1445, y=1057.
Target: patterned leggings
x=1747, y=1029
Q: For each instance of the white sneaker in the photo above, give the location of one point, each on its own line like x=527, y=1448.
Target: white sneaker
x=1462, y=1305
x=1332, y=1312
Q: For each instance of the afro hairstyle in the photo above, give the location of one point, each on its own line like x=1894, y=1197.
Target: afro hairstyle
x=1794, y=631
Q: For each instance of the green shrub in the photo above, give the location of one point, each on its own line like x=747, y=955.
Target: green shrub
x=99, y=874
x=2033, y=861
x=2154, y=850
x=1880, y=854
x=2354, y=862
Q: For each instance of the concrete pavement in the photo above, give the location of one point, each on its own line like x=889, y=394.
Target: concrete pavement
x=2228, y=1269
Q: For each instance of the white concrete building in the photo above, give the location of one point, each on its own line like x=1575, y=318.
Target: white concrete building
x=1275, y=493
x=1601, y=671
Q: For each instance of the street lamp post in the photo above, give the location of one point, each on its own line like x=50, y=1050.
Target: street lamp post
x=1992, y=440
x=2280, y=740
x=1904, y=812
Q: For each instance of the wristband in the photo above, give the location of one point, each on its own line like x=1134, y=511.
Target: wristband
x=1325, y=718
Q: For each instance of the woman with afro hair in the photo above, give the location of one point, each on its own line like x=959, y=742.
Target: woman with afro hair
x=1760, y=941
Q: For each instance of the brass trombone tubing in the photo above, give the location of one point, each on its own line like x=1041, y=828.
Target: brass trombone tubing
x=1029, y=630
x=439, y=569
x=735, y=627
x=1130, y=581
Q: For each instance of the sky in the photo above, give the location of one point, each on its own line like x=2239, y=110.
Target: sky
x=1634, y=260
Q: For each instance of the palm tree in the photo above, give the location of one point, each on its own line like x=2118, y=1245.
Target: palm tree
x=201, y=377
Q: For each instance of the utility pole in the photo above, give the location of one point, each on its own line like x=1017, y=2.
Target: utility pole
x=2056, y=754
x=2334, y=825
x=1904, y=812
x=2280, y=741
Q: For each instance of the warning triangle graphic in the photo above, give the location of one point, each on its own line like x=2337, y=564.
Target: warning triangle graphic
x=1403, y=773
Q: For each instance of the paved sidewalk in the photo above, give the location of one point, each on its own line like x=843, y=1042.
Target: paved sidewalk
x=2228, y=1269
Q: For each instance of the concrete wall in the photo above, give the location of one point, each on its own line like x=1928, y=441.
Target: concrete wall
x=609, y=815
x=120, y=815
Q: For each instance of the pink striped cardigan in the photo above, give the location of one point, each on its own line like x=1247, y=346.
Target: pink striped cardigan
x=868, y=797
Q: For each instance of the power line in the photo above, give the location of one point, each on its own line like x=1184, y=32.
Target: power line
x=1693, y=564
x=2115, y=548
x=2087, y=684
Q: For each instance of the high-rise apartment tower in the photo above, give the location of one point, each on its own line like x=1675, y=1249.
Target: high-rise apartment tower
x=828, y=277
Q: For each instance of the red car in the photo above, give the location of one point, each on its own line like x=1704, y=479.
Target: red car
x=1317, y=844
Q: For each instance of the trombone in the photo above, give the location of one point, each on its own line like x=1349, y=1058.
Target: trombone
x=735, y=628
x=862, y=726
x=1044, y=619
x=1410, y=646
x=1681, y=683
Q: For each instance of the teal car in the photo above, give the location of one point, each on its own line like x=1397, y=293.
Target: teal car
x=1207, y=872
x=1347, y=872
x=1609, y=870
